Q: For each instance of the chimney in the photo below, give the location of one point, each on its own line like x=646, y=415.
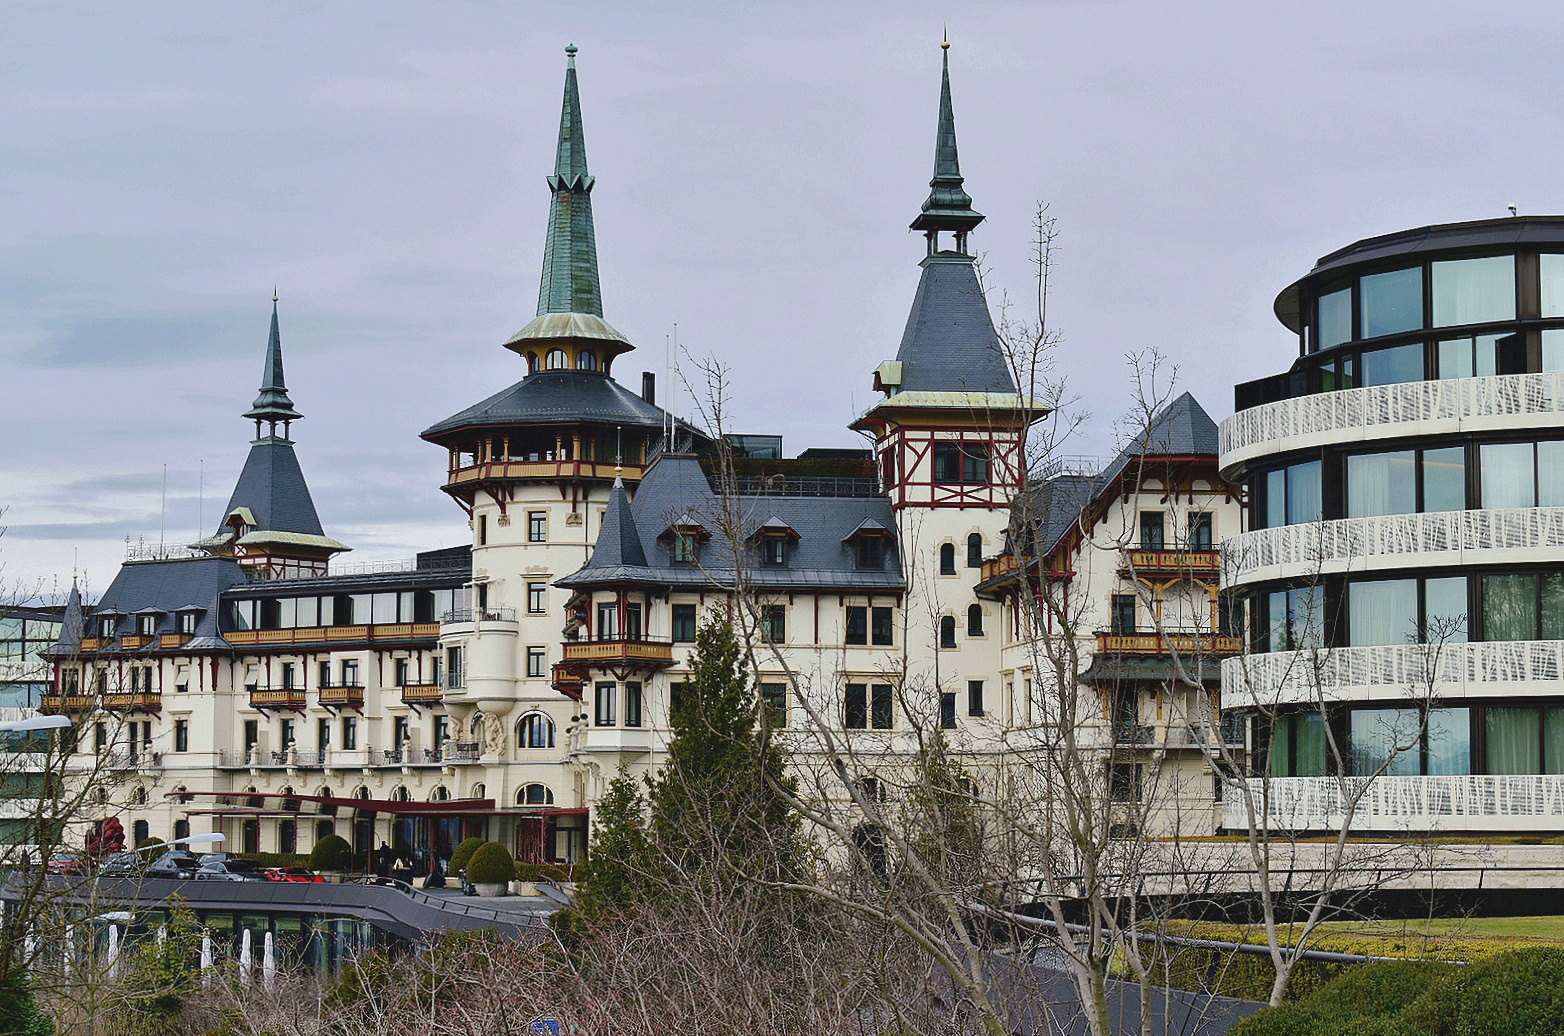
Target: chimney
x=649, y=387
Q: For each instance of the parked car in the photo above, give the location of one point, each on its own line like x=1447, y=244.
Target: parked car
x=125, y=864
x=295, y=874
x=67, y=863
x=230, y=870
x=174, y=864
x=207, y=858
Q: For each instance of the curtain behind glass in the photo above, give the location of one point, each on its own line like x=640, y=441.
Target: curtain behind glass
x=1553, y=351
x=1309, y=745
x=1552, y=285
x=1336, y=318
x=1444, y=479
x=1276, y=498
x=1509, y=607
x=1553, y=740
x=1550, y=474
x=1444, y=610
x=1513, y=740
x=1379, y=733
x=1553, y=606
x=1450, y=741
x=1382, y=612
x=1306, y=618
x=1474, y=291
x=1381, y=483
x=1303, y=493
x=1507, y=474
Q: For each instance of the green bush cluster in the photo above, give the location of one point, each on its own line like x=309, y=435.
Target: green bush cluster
x=544, y=871
x=332, y=853
x=463, y=854
x=149, y=842
x=491, y=865
x=276, y=859
x=1515, y=993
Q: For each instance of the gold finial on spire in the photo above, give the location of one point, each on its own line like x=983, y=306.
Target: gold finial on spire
x=944, y=43
x=274, y=293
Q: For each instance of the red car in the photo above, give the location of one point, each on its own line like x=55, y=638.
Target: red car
x=67, y=863
x=298, y=874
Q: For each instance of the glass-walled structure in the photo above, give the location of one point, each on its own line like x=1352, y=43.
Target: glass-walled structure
x=1403, y=568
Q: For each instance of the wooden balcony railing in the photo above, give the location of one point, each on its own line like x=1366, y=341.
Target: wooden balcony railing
x=545, y=469
x=93, y=643
x=421, y=694
x=993, y=568
x=635, y=652
x=133, y=700
x=334, y=634
x=1155, y=644
x=277, y=698
x=54, y=703
x=132, y=641
x=173, y=640
x=1202, y=563
x=569, y=680
x=342, y=695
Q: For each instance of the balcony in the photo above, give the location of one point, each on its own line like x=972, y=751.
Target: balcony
x=1176, y=735
x=94, y=643
x=168, y=641
x=407, y=755
x=1510, y=401
x=277, y=698
x=643, y=653
x=549, y=470
x=1197, y=564
x=341, y=696
x=623, y=740
x=570, y=681
x=133, y=641
x=132, y=701
x=421, y=694
x=463, y=751
x=400, y=632
x=57, y=703
x=1454, y=804
x=1190, y=643
x=1396, y=541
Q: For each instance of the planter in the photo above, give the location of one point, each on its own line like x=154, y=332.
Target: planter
x=490, y=889
x=523, y=888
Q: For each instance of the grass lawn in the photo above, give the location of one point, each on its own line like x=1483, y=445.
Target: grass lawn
x=1451, y=938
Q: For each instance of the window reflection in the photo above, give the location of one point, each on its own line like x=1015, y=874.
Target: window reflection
x=1392, y=302
x=1393, y=366
x=1473, y=291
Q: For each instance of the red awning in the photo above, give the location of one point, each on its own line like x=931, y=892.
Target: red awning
x=450, y=807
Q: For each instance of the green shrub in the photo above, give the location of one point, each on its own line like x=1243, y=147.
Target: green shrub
x=1515, y=993
x=1361, y=1001
x=491, y=865
x=332, y=853
x=148, y=843
x=276, y=859
x=544, y=871
x=463, y=854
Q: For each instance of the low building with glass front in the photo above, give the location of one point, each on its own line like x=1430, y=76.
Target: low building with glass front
x=1403, y=568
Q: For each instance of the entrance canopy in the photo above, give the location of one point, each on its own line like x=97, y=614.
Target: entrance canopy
x=448, y=808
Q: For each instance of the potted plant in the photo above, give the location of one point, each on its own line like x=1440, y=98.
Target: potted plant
x=491, y=869
x=331, y=855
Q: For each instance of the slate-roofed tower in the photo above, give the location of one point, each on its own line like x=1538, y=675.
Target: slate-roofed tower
x=270, y=524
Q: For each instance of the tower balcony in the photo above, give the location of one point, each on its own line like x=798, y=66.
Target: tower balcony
x=1190, y=564
x=1416, y=408
x=538, y=470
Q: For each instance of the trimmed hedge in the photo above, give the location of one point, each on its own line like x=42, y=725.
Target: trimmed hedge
x=150, y=842
x=276, y=859
x=463, y=854
x=545, y=871
x=491, y=865
x=332, y=853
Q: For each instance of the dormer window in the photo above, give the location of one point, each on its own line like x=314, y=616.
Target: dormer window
x=773, y=550
x=871, y=552
x=106, y=626
x=146, y=625
x=683, y=538
x=771, y=541
x=684, y=548
x=187, y=621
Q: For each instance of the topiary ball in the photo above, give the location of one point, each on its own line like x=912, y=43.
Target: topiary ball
x=332, y=853
x=463, y=854
x=491, y=865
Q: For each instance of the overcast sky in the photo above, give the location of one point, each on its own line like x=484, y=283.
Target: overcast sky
x=162, y=165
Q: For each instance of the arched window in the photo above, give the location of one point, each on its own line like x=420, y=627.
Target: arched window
x=250, y=836
x=440, y=794
x=288, y=836
x=290, y=804
x=947, y=631
x=557, y=360
x=361, y=792
x=975, y=550
x=254, y=802
x=975, y=620
x=324, y=828
x=181, y=829
x=140, y=831
x=947, y=559
x=535, y=730
x=326, y=808
x=138, y=796
x=532, y=363
x=400, y=794
x=478, y=791
x=535, y=795
x=586, y=360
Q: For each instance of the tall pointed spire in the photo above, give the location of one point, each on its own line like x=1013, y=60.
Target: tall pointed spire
x=570, y=283
x=273, y=404
x=948, y=207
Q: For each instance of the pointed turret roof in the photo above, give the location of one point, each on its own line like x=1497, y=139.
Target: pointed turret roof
x=69, y=640
x=570, y=296
x=619, y=542
x=948, y=207
x=273, y=403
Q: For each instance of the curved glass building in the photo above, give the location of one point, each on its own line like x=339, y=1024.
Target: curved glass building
x=1403, y=566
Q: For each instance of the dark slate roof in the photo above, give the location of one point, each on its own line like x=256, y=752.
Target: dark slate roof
x=1180, y=429
x=619, y=542
x=554, y=397
x=273, y=403
x=1057, y=504
x=169, y=586
x=272, y=486
x=69, y=639
x=949, y=344
x=676, y=486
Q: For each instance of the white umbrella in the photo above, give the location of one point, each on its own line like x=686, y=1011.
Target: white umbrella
x=113, y=955
x=70, y=942
x=269, y=961
x=245, y=958
x=206, y=957
x=162, y=934
x=28, y=946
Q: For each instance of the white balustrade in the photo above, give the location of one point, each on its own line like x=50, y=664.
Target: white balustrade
x=1395, y=541
x=1390, y=672
x=1413, y=408
x=1468, y=802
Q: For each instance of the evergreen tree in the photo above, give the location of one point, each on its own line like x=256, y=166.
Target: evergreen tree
x=620, y=855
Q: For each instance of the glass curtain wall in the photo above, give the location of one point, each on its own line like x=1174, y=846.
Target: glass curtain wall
x=1473, y=291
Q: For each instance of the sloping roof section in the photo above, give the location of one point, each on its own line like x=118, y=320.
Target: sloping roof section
x=619, y=542
x=69, y=640
x=1180, y=429
x=171, y=586
x=272, y=486
x=675, y=489
x=553, y=397
x=949, y=343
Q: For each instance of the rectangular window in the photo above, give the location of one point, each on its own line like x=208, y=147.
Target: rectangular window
x=401, y=731
x=1444, y=479
x=1470, y=356
x=350, y=673
x=1200, y=530
x=1448, y=742
x=1292, y=620
x=1298, y=747
x=537, y=661
x=871, y=552
x=441, y=730
x=947, y=462
x=181, y=679
x=947, y=710
x=1553, y=351
x=857, y=624
x=1385, y=740
x=252, y=733
x=1381, y=483
x=684, y=548
x=974, y=697
x=1124, y=782
x=975, y=466
x=1508, y=474
x=632, y=622
x=323, y=672
x=455, y=668
x=606, y=693
x=1550, y=474
x=1151, y=530
x=537, y=598
x=883, y=632
x=399, y=671
x=1552, y=270
x=1335, y=318
x=675, y=699
x=855, y=711
x=181, y=735
x=187, y=622
x=774, y=696
x=537, y=526
x=350, y=733
x=607, y=620
x=773, y=551
x=1292, y=495
x=323, y=734
x=1523, y=607
x=1473, y=291
x=1391, y=302
x=773, y=623
x=1444, y=610
x=288, y=676
x=880, y=706
x=683, y=623
x=1383, y=612
x=483, y=529
x=1122, y=618
x=1393, y=366
x=287, y=733
x=632, y=704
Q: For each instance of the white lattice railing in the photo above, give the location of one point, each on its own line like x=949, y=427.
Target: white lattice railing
x=1391, y=671
x=1474, y=802
x=1458, y=404
x=1389, y=541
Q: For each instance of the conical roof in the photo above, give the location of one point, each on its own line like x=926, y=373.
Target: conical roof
x=69, y=640
x=949, y=206
x=273, y=403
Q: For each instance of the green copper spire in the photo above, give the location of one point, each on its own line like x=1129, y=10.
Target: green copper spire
x=948, y=207
x=570, y=283
x=273, y=404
